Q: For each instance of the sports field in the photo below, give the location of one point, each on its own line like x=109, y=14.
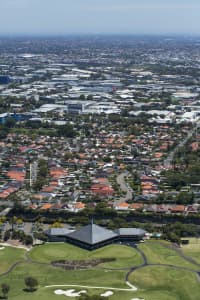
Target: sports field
x=158, y=271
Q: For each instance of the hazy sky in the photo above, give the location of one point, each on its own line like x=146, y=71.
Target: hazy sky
x=99, y=16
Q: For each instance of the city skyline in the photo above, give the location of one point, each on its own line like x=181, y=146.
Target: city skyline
x=28, y=17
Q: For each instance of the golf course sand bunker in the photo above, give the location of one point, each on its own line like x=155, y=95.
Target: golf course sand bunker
x=69, y=293
x=107, y=294
x=137, y=299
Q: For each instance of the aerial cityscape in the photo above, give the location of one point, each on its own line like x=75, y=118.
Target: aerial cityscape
x=99, y=150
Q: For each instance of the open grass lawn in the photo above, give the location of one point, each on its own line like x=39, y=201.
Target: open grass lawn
x=153, y=282
x=48, y=275
x=192, y=249
x=48, y=294
x=55, y=251
x=158, y=254
x=9, y=256
x=125, y=256
x=161, y=283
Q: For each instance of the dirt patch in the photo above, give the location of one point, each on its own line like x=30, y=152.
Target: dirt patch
x=80, y=264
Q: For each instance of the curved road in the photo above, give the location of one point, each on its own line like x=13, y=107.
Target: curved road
x=167, y=162
x=124, y=187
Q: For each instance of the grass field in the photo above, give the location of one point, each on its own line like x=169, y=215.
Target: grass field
x=125, y=256
x=9, y=256
x=51, y=251
x=48, y=275
x=153, y=282
x=161, y=283
x=192, y=249
x=158, y=254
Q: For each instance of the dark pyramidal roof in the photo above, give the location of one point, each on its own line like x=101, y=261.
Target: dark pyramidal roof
x=92, y=234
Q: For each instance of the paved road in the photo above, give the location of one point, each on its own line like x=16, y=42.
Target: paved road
x=124, y=187
x=169, y=159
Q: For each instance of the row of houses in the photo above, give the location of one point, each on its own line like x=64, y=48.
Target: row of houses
x=159, y=208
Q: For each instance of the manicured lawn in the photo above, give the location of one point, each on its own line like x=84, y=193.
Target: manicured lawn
x=9, y=256
x=153, y=282
x=161, y=283
x=55, y=251
x=125, y=256
x=158, y=254
x=48, y=275
x=48, y=294
x=192, y=249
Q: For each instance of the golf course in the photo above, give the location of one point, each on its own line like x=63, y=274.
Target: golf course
x=154, y=270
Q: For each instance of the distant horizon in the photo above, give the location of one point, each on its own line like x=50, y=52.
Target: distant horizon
x=63, y=35
x=94, y=17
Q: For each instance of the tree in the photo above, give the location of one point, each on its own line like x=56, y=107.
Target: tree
x=31, y=283
x=68, y=155
x=5, y=289
x=3, y=131
x=90, y=97
x=13, y=221
x=107, y=159
x=10, y=123
x=66, y=130
x=56, y=224
x=82, y=97
x=6, y=235
x=17, y=234
x=40, y=182
x=42, y=168
x=28, y=240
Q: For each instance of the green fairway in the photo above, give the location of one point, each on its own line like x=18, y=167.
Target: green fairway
x=161, y=283
x=125, y=256
x=153, y=282
x=192, y=249
x=48, y=275
x=48, y=294
x=158, y=254
x=55, y=251
x=9, y=256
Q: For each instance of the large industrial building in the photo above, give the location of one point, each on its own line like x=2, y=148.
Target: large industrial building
x=92, y=236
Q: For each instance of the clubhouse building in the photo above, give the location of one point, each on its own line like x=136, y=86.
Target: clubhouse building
x=92, y=236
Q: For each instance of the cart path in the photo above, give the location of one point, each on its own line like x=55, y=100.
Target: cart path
x=172, y=247
x=131, y=287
